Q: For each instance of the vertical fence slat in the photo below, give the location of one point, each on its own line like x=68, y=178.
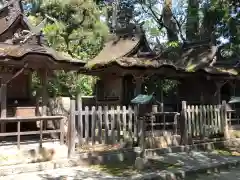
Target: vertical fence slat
x=41, y=132
x=184, y=124
x=201, y=122
x=219, y=118
x=124, y=118
x=135, y=121
x=204, y=121
x=212, y=120
x=208, y=118
x=193, y=124
x=62, y=131
x=86, y=118
x=198, y=128
x=112, y=114
x=106, y=125
x=93, y=132
x=71, y=128
x=118, y=123
x=80, y=120
x=130, y=122
x=99, y=112
x=18, y=136
x=222, y=117
x=189, y=118
x=216, y=118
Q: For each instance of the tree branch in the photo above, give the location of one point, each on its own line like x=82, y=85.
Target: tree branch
x=160, y=22
x=84, y=17
x=179, y=28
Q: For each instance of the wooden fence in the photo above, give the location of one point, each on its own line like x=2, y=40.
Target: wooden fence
x=204, y=120
x=103, y=124
x=111, y=125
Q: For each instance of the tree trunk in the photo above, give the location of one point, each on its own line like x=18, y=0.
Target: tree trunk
x=192, y=28
x=169, y=22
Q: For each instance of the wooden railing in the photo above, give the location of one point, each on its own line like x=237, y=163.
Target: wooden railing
x=166, y=121
x=41, y=131
x=233, y=117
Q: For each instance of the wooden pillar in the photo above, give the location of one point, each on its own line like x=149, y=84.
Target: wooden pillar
x=233, y=91
x=219, y=85
x=44, y=94
x=138, y=83
x=162, y=98
x=3, y=100
x=43, y=79
x=142, y=136
x=224, y=120
x=139, y=161
x=183, y=124
x=3, y=105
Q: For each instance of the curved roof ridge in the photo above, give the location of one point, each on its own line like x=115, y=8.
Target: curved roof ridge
x=115, y=49
x=13, y=14
x=20, y=51
x=8, y=4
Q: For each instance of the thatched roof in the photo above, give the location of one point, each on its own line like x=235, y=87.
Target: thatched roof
x=21, y=52
x=19, y=39
x=125, y=53
x=120, y=50
x=113, y=50
x=9, y=13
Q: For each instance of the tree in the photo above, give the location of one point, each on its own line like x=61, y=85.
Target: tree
x=215, y=22
x=226, y=27
x=73, y=27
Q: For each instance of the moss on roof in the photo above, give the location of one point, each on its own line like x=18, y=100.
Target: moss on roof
x=19, y=52
x=112, y=51
x=188, y=59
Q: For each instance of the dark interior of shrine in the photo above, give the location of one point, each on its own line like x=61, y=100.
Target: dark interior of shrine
x=19, y=96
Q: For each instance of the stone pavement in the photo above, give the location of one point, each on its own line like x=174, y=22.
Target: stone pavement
x=184, y=163
x=195, y=160
x=233, y=174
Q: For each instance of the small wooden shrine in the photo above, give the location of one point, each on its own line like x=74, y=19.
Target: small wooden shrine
x=127, y=63
x=22, y=52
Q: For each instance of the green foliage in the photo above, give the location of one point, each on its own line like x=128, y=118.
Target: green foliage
x=77, y=29
x=73, y=27
x=155, y=84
